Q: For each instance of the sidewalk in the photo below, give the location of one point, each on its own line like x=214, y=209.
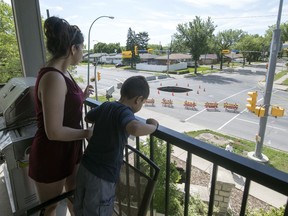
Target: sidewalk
x=265, y=194
x=278, y=83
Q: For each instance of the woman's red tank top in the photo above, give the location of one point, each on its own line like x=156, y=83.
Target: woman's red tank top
x=51, y=161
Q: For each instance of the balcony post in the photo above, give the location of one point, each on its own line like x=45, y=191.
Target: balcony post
x=28, y=24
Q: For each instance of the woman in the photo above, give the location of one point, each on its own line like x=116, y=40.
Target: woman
x=57, y=146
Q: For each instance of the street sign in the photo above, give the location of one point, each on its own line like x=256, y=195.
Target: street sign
x=235, y=51
x=110, y=90
x=126, y=54
x=225, y=51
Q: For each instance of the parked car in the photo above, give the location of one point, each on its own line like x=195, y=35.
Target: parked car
x=191, y=64
x=119, y=65
x=238, y=60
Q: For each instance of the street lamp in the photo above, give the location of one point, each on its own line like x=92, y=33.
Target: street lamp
x=88, y=75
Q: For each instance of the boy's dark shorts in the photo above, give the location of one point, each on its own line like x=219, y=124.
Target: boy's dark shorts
x=93, y=196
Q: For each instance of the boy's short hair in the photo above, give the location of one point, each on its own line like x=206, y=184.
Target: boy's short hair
x=135, y=86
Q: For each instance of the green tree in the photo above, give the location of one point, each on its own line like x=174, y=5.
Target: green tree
x=224, y=41
x=195, y=36
x=140, y=40
x=264, y=212
x=178, y=46
x=175, y=207
x=157, y=48
x=10, y=65
x=107, y=48
x=284, y=35
x=176, y=197
x=251, y=47
x=284, y=32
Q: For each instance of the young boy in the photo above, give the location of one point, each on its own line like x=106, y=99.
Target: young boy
x=100, y=166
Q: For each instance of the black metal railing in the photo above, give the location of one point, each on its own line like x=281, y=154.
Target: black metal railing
x=249, y=169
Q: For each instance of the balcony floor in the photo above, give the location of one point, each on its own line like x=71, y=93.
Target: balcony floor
x=4, y=197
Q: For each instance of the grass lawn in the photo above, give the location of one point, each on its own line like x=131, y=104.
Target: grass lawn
x=277, y=159
x=200, y=70
x=285, y=82
x=280, y=74
x=102, y=98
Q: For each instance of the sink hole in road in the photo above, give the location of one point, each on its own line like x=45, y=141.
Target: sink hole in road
x=174, y=89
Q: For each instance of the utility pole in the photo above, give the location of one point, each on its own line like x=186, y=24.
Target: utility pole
x=274, y=49
x=168, y=55
x=168, y=61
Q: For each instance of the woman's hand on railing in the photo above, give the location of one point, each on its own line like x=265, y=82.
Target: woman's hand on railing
x=90, y=132
x=88, y=90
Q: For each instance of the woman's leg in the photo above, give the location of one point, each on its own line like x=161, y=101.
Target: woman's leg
x=70, y=185
x=49, y=191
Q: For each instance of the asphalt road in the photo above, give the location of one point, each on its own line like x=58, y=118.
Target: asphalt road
x=231, y=87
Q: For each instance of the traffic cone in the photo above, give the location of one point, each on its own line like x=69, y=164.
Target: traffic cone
x=172, y=93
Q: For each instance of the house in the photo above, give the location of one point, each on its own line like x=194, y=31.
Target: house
x=233, y=57
x=174, y=58
x=146, y=57
x=95, y=57
x=113, y=59
x=208, y=59
x=177, y=61
x=104, y=58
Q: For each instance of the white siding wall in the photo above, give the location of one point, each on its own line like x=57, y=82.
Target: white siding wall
x=161, y=68
x=110, y=60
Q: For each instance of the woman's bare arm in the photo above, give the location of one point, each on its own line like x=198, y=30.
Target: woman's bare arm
x=52, y=91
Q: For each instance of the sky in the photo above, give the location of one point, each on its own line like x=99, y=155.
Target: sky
x=160, y=17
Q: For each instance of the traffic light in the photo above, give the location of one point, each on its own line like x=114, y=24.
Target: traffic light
x=277, y=111
x=252, y=101
x=98, y=76
x=259, y=111
x=136, y=50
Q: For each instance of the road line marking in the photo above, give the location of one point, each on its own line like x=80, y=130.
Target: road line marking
x=194, y=115
x=218, y=102
x=230, y=120
x=281, y=129
x=236, y=94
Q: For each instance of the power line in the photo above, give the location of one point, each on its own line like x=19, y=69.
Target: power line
x=246, y=17
x=213, y=18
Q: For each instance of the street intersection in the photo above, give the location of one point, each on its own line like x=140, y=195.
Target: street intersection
x=222, y=87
